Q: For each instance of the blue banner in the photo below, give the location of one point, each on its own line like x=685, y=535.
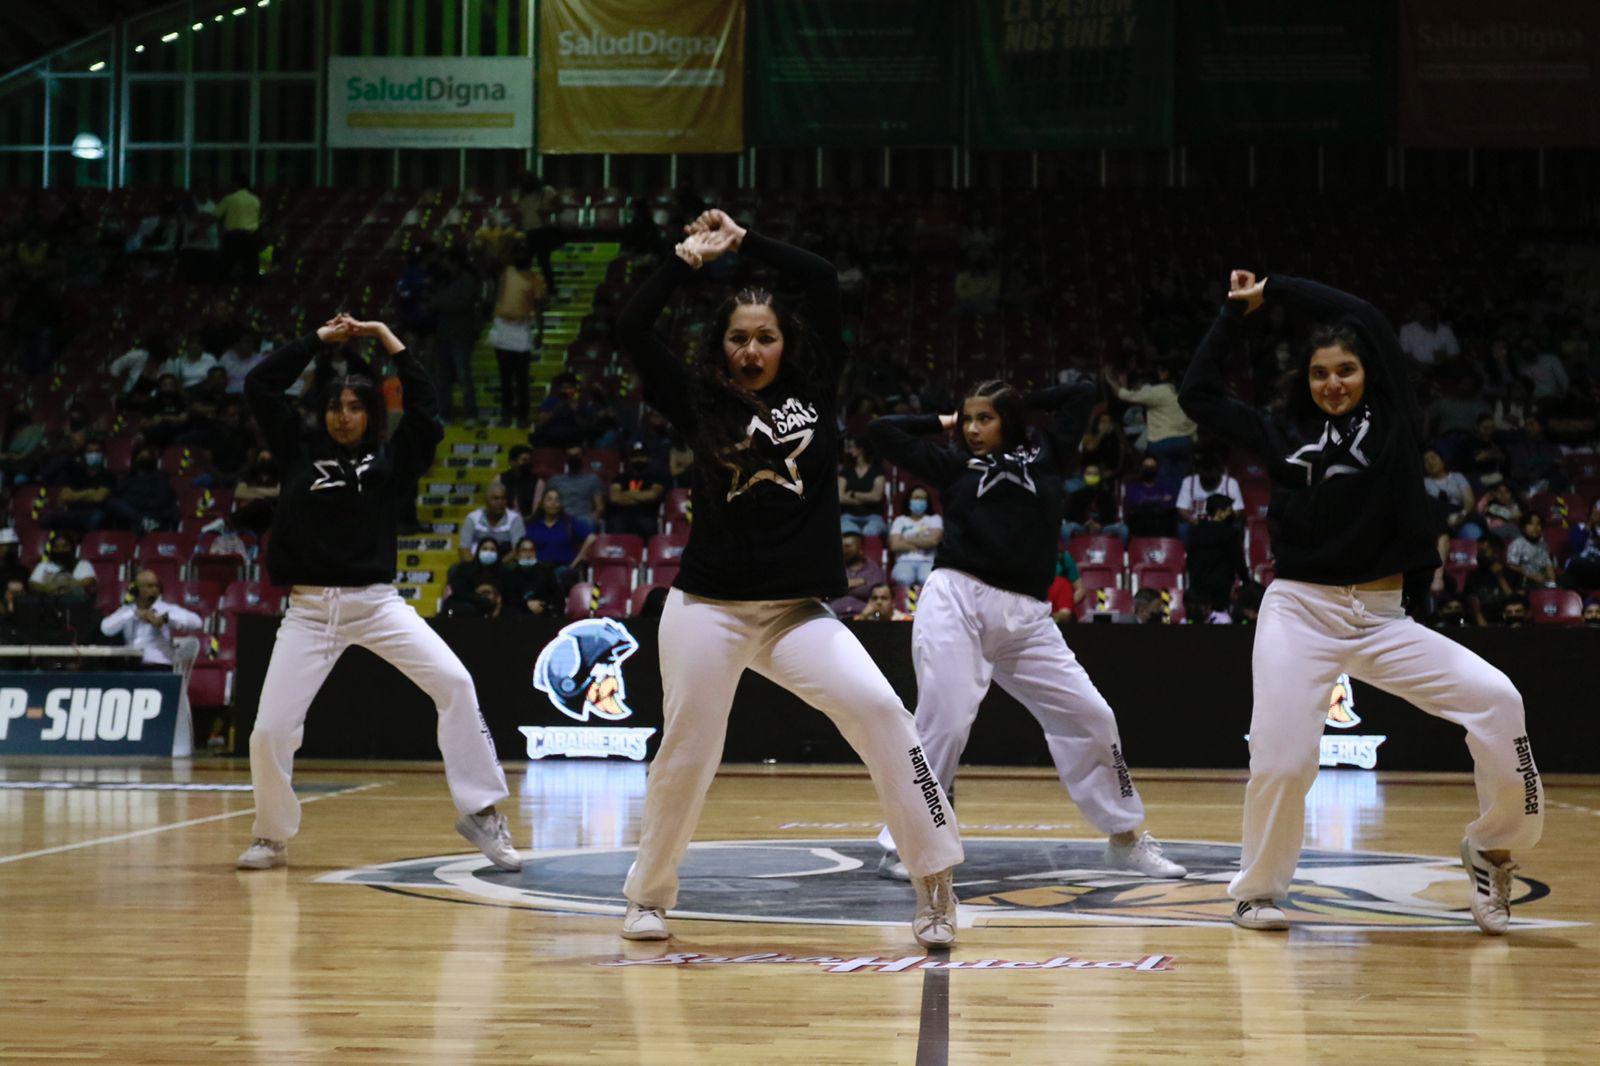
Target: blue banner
x=87, y=714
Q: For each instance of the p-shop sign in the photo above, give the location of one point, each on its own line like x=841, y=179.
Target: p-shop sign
x=87, y=714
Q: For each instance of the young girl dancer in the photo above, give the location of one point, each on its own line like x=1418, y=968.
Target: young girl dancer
x=763, y=553
x=1349, y=519
x=333, y=540
x=984, y=612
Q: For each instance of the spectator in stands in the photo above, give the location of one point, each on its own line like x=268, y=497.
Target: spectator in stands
x=206, y=399
x=142, y=380
x=1489, y=586
x=457, y=325
x=1528, y=556
x=168, y=413
x=1500, y=511
x=1200, y=609
x=1515, y=613
x=1092, y=509
x=479, y=563
x=564, y=419
x=583, y=494
x=1583, y=554
x=1452, y=612
x=1067, y=590
x=537, y=207
x=230, y=439
x=1209, y=479
x=27, y=448
x=61, y=574
x=1103, y=445
x=146, y=494
x=132, y=364
x=880, y=607
x=1456, y=412
x=157, y=234
x=162, y=631
x=1591, y=611
x=240, y=216
x=1150, y=506
x=1485, y=457
x=1452, y=493
x=636, y=494
x=1169, y=434
x=1216, y=551
x=1545, y=372
x=861, y=575
x=1535, y=461
x=560, y=539
x=1426, y=339
x=12, y=568
x=518, y=329
x=493, y=521
x=861, y=484
x=1247, y=603
x=255, y=497
x=913, y=538
x=1147, y=607
x=242, y=356
x=531, y=582
x=521, y=482
x=85, y=499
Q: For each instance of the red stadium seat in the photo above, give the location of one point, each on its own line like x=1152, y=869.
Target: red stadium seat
x=1258, y=544
x=597, y=601
x=210, y=684
x=108, y=546
x=548, y=461
x=1105, y=601
x=1150, y=578
x=1555, y=607
x=1263, y=574
x=1257, y=495
x=905, y=597
x=201, y=597
x=168, y=571
x=172, y=547
x=119, y=454
x=1555, y=540
x=605, y=462
x=665, y=549
x=1463, y=554
x=640, y=594
x=110, y=589
x=181, y=460
x=663, y=574
x=675, y=510
x=616, y=550
x=221, y=568
x=252, y=597
x=1100, y=577
x=1582, y=466
x=1097, y=550
x=1156, y=553
x=195, y=501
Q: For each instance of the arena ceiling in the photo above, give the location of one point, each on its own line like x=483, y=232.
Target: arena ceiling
x=33, y=28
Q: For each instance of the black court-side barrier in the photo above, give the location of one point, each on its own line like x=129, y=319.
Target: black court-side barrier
x=1182, y=697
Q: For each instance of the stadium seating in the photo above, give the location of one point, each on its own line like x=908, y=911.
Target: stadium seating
x=1097, y=550
x=1105, y=600
x=587, y=600
x=1555, y=607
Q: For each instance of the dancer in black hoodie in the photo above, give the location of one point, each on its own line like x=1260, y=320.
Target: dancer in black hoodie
x=333, y=540
x=1349, y=520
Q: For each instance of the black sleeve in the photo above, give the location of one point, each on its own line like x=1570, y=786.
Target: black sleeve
x=417, y=437
x=820, y=282
x=897, y=438
x=666, y=383
x=1071, y=403
x=1204, y=394
x=1313, y=300
x=276, y=412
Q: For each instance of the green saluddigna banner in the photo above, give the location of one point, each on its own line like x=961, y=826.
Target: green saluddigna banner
x=1256, y=71
x=848, y=74
x=1070, y=73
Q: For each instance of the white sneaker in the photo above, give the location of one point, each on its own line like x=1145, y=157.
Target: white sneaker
x=1491, y=890
x=1259, y=914
x=263, y=854
x=934, y=924
x=1143, y=856
x=492, y=836
x=890, y=868
x=644, y=923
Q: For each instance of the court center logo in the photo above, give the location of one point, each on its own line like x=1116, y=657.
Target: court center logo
x=1005, y=882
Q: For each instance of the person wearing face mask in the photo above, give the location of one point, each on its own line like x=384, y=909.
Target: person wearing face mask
x=163, y=632
x=85, y=501
x=984, y=613
x=494, y=521
x=482, y=564
x=1092, y=508
x=1515, y=613
x=1452, y=613
x=1209, y=479
x=333, y=540
x=583, y=493
x=913, y=538
x=529, y=584
x=147, y=493
x=1350, y=520
x=758, y=404
x=636, y=495
x=255, y=497
x=1149, y=504
x=61, y=574
x=1490, y=585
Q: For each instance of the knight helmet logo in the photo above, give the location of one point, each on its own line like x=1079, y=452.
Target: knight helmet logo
x=1342, y=704
x=581, y=669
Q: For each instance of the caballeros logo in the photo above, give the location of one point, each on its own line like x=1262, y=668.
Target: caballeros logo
x=581, y=670
x=1006, y=882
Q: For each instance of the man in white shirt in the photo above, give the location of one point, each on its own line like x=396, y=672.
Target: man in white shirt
x=61, y=572
x=243, y=357
x=1426, y=339
x=493, y=519
x=190, y=367
x=152, y=625
x=1208, y=478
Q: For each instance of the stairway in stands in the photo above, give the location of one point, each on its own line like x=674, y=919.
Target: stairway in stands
x=472, y=456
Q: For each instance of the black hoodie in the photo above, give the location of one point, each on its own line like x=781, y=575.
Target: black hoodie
x=337, y=506
x=1348, y=505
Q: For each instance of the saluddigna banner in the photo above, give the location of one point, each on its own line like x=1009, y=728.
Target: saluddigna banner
x=1260, y=71
x=1070, y=73
x=849, y=74
x=430, y=102
x=641, y=76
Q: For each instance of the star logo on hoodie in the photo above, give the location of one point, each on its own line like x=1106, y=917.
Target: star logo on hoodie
x=1336, y=451
x=784, y=471
x=1013, y=467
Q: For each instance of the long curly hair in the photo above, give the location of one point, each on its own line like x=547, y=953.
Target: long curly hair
x=723, y=405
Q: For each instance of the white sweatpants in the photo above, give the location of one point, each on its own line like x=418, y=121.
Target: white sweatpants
x=967, y=633
x=706, y=645
x=320, y=625
x=185, y=650
x=1306, y=636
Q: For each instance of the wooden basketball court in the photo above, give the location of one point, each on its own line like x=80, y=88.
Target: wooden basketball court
x=129, y=937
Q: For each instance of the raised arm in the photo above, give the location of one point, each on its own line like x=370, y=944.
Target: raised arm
x=662, y=373
x=1071, y=402
x=1204, y=394
x=264, y=387
x=417, y=437
x=902, y=440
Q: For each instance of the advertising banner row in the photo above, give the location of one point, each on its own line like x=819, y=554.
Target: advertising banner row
x=641, y=76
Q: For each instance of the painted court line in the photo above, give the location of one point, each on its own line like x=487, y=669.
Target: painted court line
x=167, y=828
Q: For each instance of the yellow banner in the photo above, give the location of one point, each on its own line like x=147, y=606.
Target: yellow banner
x=641, y=76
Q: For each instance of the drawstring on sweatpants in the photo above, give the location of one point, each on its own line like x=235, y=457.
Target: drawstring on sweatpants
x=333, y=604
